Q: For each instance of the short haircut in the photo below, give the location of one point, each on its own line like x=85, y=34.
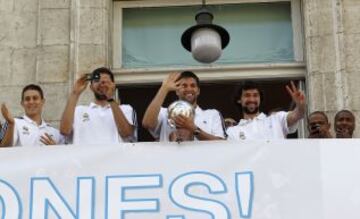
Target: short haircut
x=344, y=111
x=190, y=74
x=103, y=70
x=319, y=112
x=32, y=87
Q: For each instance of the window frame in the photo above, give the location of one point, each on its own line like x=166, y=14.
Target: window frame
x=212, y=72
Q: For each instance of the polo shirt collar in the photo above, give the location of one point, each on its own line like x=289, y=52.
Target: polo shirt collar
x=197, y=110
x=261, y=116
x=29, y=120
x=94, y=105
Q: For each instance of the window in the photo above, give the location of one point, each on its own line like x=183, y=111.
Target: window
x=266, y=44
x=266, y=40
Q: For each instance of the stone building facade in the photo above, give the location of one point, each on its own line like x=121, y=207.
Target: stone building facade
x=50, y=42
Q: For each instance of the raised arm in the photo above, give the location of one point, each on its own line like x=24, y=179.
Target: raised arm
x=125, y=129
x=299, y=99
x=150, y=119
x=8, y=128
x=67, y=118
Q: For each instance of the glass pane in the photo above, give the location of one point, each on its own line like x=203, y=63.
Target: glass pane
x=260, y=33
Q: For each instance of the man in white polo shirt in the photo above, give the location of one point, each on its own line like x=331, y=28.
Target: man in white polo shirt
x=30, y=129
x=104, y=121
x=257, y=125
x=207, y=124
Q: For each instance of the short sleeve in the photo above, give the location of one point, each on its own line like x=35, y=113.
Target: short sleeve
x=162, y=117
x=281, y=118
x=79, y=111
x=131, y=117
x=129, y=113
x=218, y=128
x=230, y=133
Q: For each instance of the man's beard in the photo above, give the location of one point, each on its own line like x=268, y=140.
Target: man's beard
x=99, y=96
x=246, y=110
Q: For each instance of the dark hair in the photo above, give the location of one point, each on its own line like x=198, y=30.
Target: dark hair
x=190, y=74
x=344, y=111
x=319, y=112
x=32, y=87
x=103, y=70
x=248, y=85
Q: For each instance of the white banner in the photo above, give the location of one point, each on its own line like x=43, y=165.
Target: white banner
x=292, y=179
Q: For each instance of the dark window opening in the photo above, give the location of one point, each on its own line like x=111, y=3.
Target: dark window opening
x=219, y=95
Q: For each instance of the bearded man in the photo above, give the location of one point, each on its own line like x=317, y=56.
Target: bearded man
x=104, y=120
x=257, y=125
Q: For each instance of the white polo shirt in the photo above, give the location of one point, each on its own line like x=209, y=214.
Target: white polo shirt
x=208, y=120
x=262, y=127
x=95, y=124
x=28, y=133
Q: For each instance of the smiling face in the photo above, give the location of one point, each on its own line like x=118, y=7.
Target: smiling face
x=32, y=103
x=344, y=122
x=189, y=90
x=250, y=101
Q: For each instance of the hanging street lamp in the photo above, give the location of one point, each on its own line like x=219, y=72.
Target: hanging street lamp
x=205, y=40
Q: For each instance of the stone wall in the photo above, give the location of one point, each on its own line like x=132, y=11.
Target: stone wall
x=50, y=42
x=332, y=38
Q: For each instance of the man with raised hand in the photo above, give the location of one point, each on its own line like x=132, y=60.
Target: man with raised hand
x=257, y=125
x=104, y=121
x=206, y=125
x=30, y=129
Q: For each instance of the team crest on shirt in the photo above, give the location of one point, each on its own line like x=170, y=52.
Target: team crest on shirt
x=242, y=135
x=25, y=130
x=85, y=117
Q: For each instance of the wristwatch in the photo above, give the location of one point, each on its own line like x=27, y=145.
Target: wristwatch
x=110, y=100
x=197, y=131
